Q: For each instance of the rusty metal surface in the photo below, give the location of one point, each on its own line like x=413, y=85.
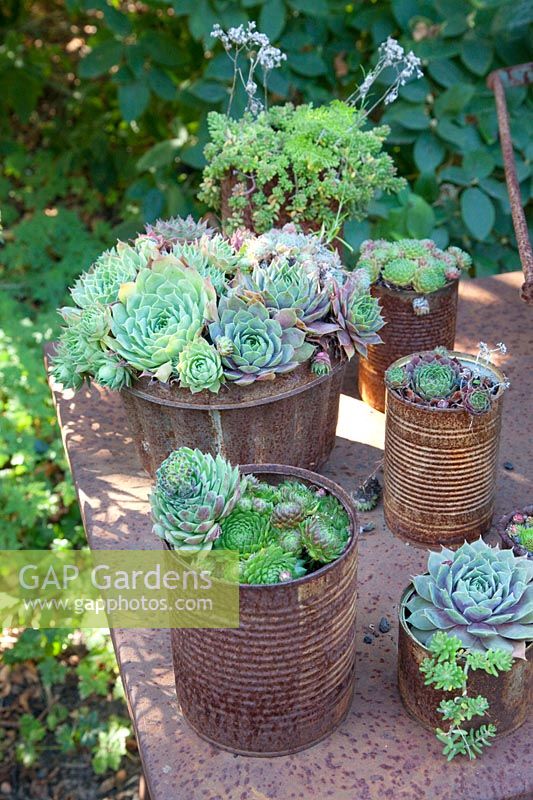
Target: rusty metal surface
x=509, y=694
x=406, y=333
x=498, y=81
x=291, y=420
x=440, y=469
x=501, y=529
x=288, y=670
x=379, y=752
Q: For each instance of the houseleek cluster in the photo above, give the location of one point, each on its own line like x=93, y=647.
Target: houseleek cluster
x=440, y=380
x=280, y=532
x=185, y=305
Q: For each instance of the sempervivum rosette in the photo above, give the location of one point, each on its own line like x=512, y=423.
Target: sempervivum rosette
x=479, y=593
x=357, y=314
x=261, y=345
x=158, y=314
x=192, y=494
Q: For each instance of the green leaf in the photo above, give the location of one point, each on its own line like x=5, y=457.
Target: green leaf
x=410, y=117
x=101, y=59
x=116, y=21
x=428, y=152
x=52, y=671
x=110, y=748
x=426, y=185
x=478, y=164
x=272, y=19
x=160, y=155
x=31, y=730
x=454, y=99
x=477, y=55
x=208, y=91
x=420, y=217
x=153, y=204
x=201, y=21
x=308, y=64
x=162, y=48
x=194, y=156
x=478, y=212
x=161, y=84
x=404, y=11
x=312, y=8
x=446, y=72
x=133, y=98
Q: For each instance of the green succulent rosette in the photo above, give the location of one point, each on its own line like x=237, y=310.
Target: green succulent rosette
x=168, y=232
x=357, y=315
x=434, y=381
x=263, y=345
x=294, y=491
x=199, y=367
x=101, y=283
x=245, y=531
x=335, y=512
x=193, y=493
x=271, y=565
x=323, y=541
x=165, y=308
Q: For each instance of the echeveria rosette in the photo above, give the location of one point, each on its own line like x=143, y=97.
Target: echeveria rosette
x=323, y=541
x=161, y=311
x=434, y=381
x=245, y=531
x=476, y=400
x=200, y=367
x=101, y=283
x=168, y=232
x=481, y=594
x=193, y=493
x=357, y=315
x=271, y=565
x=284, y=284
x=263, y=345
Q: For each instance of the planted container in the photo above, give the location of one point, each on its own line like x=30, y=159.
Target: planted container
x=508, y=694
x=440, y=464
x=516, y=531
x=290, y=421
x=284, y=679
x=406, y=332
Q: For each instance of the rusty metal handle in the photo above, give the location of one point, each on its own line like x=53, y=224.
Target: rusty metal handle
x=520, y=75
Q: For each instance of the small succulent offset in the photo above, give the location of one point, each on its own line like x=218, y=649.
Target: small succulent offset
x=280, y=532
x=439, y=379
x=193, y=493
x=481, y=594
x=447, y=669
x=518, y=533
x=414, y=264
x=357, y=315
x=368, y=494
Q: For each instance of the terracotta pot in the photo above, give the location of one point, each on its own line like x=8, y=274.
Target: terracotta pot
x=406, y=333
x=507, y=542
x=292, y=419
x=284, y=679
x=509, y=694
x=440, y=468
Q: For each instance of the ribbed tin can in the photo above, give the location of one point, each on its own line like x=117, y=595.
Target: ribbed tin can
x=291, y=420
x=284, y=679
x=440, y=468
x=509, y=694
x=405, y=333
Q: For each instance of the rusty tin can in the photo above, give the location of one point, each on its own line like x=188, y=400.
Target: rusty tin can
x=509, y=694
x=405, y=333
x=284, y=679
x=440, y=468
x=506, y=541
x=291, y=420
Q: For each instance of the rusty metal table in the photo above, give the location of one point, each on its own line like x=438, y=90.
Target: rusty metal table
x=379, y=752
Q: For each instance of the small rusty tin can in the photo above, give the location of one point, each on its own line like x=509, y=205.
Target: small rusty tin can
x=440, y=468
x=509, y=694
x=506, y=540
x=291, y=420
x=284, y=679
x=405, y=333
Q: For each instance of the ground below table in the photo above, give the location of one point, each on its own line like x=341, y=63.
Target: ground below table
x=378, y=752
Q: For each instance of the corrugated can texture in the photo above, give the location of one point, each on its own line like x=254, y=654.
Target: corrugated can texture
x=406, y=333
x=509, y=694
x=290, y=421
x=440, y=469
x=284, y=679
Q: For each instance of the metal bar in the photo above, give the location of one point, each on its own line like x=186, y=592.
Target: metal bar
x=514, y=76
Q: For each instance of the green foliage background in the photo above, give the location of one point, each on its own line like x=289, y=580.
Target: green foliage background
x=103, y=125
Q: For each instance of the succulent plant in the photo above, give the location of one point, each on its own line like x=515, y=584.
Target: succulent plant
x=263, y=346
x=261, y=490
x=193, y=493
x=199, y=367
x=288, y=514
x=396, y=377
x=412, y=263
x=367, y=495
x=296, y=492
x=112, y=372
x=524, y=536
x=245, y=531
x=321, y=364
x=357, y=314
x=212, y=256
x=158, y=314
x=290, y=541
x=168, y=232
x=271, y=565
x=330, y=507
x=477, y=400
x=101, y=283
x=285, y=284
x=481, y=594
x=434, y=381
x=322, y=539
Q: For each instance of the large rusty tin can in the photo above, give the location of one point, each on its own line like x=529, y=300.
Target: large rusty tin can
x=284, y=679
x=405, y=333
x=509, y=694
x=440, y=468
x=291, y=420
